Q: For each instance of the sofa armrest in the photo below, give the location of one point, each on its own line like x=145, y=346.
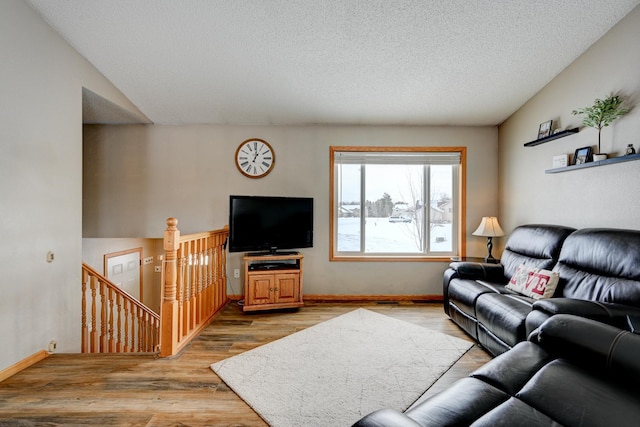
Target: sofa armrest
x=592, y=344
x=386, y=417
x=470, y=271
x=609, y=313
x=478, y=271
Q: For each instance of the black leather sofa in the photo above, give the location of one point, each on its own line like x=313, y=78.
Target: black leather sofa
x=599, y=278
x=573, y=371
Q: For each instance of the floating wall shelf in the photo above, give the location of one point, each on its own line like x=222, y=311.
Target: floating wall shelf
x=621, y=159
x=558, y=135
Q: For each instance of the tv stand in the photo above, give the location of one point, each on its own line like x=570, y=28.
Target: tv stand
x=271, y=253
x=272, y=281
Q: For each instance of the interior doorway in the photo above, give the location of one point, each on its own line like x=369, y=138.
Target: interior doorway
x=124, y=268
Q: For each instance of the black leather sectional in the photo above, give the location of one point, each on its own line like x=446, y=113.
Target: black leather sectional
x=572, y=359
x=573, y=372
x=599, y=271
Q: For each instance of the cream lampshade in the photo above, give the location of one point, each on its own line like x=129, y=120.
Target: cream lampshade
x=489, y=228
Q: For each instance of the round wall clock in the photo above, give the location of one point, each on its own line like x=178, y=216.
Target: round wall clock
x=255, y=158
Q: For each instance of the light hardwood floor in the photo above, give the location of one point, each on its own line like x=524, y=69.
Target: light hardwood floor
x=141, y=390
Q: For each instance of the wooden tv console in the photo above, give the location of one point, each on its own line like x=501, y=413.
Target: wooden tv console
x=272, y=281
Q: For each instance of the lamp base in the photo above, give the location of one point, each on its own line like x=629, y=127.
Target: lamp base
x=489, y=259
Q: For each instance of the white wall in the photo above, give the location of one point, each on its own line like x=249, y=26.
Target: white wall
x=596, y=197
x=137, y=176
x=41, y=80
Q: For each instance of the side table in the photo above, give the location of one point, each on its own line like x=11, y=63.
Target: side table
x=472, y=259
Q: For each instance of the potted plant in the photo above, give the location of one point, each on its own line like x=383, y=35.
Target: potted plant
x=601, y=114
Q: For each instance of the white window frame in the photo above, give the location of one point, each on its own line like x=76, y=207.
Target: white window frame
x=386, y=156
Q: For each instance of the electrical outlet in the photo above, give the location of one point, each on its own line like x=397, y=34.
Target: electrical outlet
x=148, y=260
x=236, y=273
x=53, y=345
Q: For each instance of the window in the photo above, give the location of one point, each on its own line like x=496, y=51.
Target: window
x=396, y=202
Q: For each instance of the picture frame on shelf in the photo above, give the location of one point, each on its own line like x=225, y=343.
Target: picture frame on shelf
x=545, y=129
x=582, y=155
x=560, y=161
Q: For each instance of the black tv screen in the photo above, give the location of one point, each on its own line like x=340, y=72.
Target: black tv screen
x=270, y=224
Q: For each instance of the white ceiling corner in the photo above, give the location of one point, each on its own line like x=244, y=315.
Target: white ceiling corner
x=445, y=62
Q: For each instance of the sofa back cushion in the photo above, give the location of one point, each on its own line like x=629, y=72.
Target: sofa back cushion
x=601, y=264
x=533, y=245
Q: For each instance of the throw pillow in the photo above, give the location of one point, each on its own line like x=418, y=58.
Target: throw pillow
x=534, y=282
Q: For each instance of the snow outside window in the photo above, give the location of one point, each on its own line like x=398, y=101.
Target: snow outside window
x=396, y=202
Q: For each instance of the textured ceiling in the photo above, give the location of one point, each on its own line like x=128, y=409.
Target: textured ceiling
x=462, y=62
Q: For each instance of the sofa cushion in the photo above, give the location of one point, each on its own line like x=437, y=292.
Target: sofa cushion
x=514, y=409
x=504, y=315
x=600, y=264
x=595, y=400
x=533, y=245
x=464, y=293
x=461, y=404
x=593, y=345
x=536, y=283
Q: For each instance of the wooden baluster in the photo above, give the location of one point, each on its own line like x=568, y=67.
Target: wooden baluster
x=193, y=285
x=210, y=282
x=186, y=286
x=214, y=274
x=169, y=327
x=205, y=291
x=219, y=273
x=206, y=280
x=111, y=321
x=145, y=331
x=103, y=318
x=84, y=346
x=195, y=292
x=134, y=328
x=126, y=327
x=140, y=328
x=94, y=321
x=182, y=289
x=119, y=325
x=148, y=333
x=156, y=334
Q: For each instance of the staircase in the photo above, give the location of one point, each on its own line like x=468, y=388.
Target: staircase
x=113, y=321
x=194, y=291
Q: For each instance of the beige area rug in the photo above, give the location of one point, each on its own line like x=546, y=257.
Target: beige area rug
x=337, y=371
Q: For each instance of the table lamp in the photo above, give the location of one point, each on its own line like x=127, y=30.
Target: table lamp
x=489, y=228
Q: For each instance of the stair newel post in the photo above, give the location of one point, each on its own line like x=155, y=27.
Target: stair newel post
x=169, y=312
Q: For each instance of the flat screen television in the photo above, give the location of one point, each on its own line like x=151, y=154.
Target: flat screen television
x=270, y=224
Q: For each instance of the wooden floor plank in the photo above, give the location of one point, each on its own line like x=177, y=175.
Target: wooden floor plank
x=142, y=390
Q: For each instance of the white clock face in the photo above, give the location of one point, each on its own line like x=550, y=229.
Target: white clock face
x=255, y=158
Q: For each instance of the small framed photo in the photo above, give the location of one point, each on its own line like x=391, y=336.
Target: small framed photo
x=582, y=155
x=545, y=129
x=560, y=161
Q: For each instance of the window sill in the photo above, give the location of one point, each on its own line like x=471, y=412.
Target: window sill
x=386, y=258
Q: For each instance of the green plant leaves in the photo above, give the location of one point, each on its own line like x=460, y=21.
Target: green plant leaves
x=603, y=112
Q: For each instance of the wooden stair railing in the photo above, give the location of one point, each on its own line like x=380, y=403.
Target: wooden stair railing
x=194, y=284
x=123, y=325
